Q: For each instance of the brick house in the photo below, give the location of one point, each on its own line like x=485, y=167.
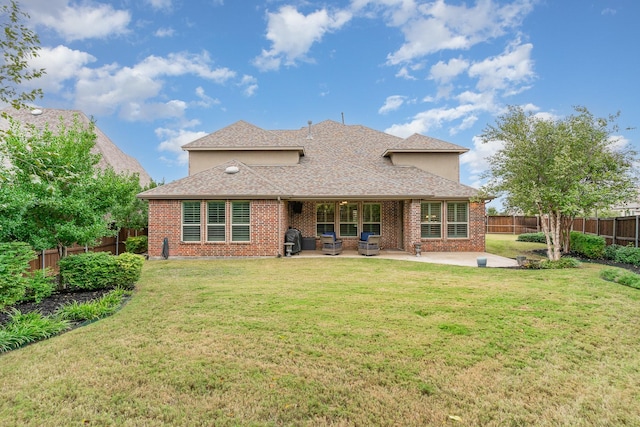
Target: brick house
x=247, y=186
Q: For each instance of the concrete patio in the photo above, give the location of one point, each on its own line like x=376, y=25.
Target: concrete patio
x=467, y=259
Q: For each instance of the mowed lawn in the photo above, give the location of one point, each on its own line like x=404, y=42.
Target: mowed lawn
x=338, y=341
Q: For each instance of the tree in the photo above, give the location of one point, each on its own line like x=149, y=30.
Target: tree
x=19, y=44
x=558, y=168
x=53, y=194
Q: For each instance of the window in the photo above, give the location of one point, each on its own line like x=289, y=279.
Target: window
x=240, y=221
x=190, y=221
x=216, y=221
x=325, y=218
x=349, y=219
x=371, y=218
x=431, y=220
x=457, y=219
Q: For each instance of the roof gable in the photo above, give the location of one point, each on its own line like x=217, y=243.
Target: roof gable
x=236, y=135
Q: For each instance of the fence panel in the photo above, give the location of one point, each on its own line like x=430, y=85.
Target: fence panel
x=620, y=230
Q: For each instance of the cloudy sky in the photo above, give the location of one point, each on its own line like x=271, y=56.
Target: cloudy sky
x=157, y=74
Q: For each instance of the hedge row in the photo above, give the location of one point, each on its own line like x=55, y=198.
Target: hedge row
x=100, y=270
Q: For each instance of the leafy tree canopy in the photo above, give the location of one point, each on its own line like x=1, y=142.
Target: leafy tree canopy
x=558, y=168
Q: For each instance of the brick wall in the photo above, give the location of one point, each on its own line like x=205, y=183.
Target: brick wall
x=400, y=229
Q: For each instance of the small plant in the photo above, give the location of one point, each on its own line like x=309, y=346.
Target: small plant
x=137, y=244
x=26, y=328
x=626, y=278
x=41, y=285
x=625, y=254
x=564, y=262
x=103, y=307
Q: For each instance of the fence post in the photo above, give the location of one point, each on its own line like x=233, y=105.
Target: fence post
x=43, y=267
x=614, y=229
x=637, y=228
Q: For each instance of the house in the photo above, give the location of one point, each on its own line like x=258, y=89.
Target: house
x=111, y=155
x=247, y=186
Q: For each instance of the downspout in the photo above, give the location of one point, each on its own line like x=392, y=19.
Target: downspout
x=279, y=220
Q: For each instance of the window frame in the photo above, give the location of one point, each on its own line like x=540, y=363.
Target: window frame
x=353, y=222
x=217, y=225
x=193, y=224
x=371, y=221
x=426, y=221
x=454, y=220
x=240, y=225
x=328, y=222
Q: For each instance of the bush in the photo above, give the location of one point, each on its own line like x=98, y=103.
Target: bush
x=532, y=237
x=137, y=244
x=100, y=270
x=564, y=262
x=626, y=278
x=588, y=245
x=41, y=285
x=610, y=251
x=626, y=255
x=129, y=270
x=14, y=264
x=88, y=271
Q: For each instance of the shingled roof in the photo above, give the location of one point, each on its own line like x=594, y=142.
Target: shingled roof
x=111, y=155
x=341, y=161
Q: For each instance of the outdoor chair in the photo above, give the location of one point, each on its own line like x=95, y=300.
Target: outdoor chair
x=330, y=246
x=369, y=247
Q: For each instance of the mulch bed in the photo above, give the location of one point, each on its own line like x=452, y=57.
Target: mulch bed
x=49, y=305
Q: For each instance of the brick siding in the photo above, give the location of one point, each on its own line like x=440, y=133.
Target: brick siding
x=400, y=229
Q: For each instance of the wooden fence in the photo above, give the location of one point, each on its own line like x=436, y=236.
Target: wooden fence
x=622, y=230
x=115, y=245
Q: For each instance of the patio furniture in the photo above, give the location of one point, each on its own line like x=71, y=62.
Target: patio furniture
x=369, y=247
x=330, y=246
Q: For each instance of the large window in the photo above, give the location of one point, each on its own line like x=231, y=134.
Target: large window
x=216, y=221
x=457, y=219
x=240, y=221
x=325, y=218
x=190, y=221
x=431, y=220
x=371, y=218
x=348, y=219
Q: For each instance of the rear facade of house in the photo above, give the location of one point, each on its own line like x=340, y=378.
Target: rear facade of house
x=247, y=186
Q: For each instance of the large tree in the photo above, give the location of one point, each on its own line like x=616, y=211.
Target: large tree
x=53, y=194
x=558, y=168
x=19, y=44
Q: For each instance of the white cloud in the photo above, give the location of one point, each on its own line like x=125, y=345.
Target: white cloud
x=61, y=64
x=81, y=21
x=164, y=32
x=444, y=72
x=437, y=26
x=505, y=72
x=205, y=100
x=250, y=85
x=173, y=140
x=392, y=103
x=160, y=4
x=292, y=34
x=110, y=88
x=477, y=158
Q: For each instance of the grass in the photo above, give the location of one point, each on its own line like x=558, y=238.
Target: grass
x=507, y=246
x=337, y=341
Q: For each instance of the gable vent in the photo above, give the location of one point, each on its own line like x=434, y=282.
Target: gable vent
x=231, y=170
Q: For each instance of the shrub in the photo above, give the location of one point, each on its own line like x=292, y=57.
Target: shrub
x=564, y=262
x=14, y=264
x=627, y=255
x=588, y=245
x=532, y=237
x=88, y=271
x=137, y=244
x=626, y=278
x=610, y=251
x=129, y=269
x=41, y=285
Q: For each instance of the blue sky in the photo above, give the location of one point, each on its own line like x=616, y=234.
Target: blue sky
x=156, y=74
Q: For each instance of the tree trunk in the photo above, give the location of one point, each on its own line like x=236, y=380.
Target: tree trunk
x=551, y=225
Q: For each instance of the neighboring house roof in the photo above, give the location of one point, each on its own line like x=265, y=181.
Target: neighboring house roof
x=111, y=155
x=340, y=161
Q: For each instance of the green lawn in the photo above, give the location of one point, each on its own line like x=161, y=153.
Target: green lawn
x=337, y=341
x=507, y=246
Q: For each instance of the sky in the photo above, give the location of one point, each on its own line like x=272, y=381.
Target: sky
x=157, y=74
